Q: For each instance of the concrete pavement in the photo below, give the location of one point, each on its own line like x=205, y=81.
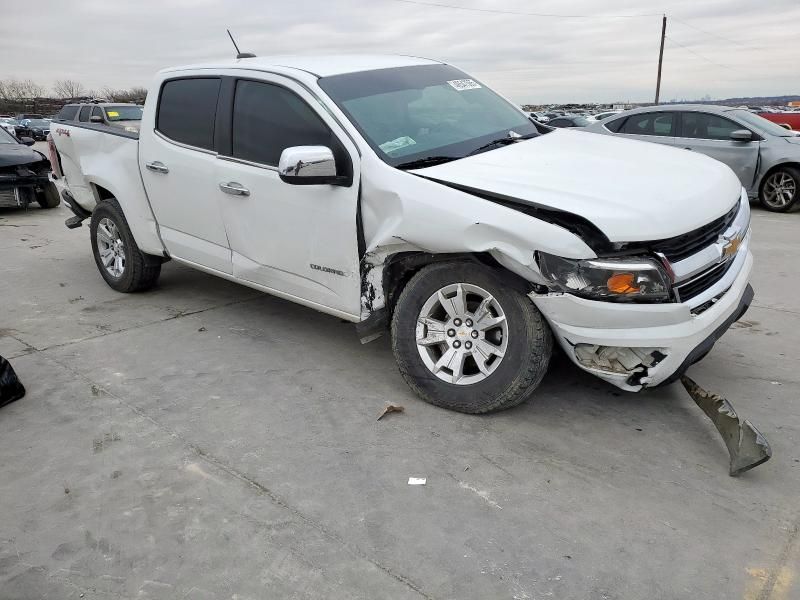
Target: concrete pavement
x=203, y=440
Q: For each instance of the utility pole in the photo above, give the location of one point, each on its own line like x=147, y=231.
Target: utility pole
x=661, y=56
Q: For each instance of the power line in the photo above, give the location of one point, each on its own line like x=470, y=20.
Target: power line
x=716, y=35
x=705, y=58
x=529, y=14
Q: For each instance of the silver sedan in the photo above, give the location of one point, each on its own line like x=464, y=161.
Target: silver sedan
x=765, y=156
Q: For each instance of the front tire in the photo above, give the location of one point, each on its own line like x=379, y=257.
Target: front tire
x=49, y=196
x=119, y=260
x=466, y=340
x=781, y=189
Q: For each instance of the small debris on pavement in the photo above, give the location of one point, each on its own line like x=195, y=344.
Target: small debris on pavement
x=776, y=383
x=202, y=329
x=466, y=468
x=11, y=389
x=390, y=408
x=417, y=480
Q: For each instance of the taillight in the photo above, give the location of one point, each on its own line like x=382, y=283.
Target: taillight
x=55, y=163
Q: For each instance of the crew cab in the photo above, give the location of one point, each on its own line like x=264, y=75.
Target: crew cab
x=402, y=195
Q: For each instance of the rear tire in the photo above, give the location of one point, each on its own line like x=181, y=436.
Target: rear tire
x=453, y=306
x=49, y=196
x=781, y=189
x=119, y=260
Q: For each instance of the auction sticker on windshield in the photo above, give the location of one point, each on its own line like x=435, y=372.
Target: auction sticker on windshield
x=464, y=84
x=396, y=144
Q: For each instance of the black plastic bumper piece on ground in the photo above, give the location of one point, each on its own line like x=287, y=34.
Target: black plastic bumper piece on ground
x=705, y=346
x=80, y=213
x=746, y=445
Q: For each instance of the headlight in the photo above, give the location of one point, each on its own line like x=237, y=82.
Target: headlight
x=616, y=279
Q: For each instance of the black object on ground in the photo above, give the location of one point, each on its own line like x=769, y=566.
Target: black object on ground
x=10, y=387
x=746, y=446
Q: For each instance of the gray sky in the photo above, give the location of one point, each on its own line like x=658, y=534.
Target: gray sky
x=754, y=49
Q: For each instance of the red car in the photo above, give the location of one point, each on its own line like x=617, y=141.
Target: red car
x=792, y=119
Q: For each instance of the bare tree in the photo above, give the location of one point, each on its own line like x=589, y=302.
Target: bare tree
x=134, y=94
x=20, y=89
x=68, y=88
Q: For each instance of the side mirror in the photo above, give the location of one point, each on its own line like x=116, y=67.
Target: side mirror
x=96, y=119
x=27, y=141
x=308, y=165
x=742, y=135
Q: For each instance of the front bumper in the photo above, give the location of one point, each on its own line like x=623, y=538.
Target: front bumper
x=655, y=342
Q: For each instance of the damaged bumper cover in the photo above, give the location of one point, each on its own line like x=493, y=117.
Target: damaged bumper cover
x=18, y=184
x=638, y=346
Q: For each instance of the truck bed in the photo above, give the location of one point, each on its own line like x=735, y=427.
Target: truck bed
x=100, y=162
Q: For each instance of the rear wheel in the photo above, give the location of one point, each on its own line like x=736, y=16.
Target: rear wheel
x=48, y=197
x=466, y=340
x=781, y=189
x=119, y=260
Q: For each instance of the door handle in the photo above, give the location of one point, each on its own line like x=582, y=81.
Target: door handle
x=157, y=166
x=234, y=189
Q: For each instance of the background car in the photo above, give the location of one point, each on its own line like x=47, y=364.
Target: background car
x=39, y=128
x=764, y=155
x=9, y=124
x=24, y=174
x=569, y=121
x=124, y=116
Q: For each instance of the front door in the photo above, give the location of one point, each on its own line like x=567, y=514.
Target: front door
x=298, y=240
x=177, y=162
x=711, y=135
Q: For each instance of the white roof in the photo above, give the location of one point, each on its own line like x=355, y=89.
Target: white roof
x=320, y=65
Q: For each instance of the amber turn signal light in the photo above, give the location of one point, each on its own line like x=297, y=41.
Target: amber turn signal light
x=622, y=283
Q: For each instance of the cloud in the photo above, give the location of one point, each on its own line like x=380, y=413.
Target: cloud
x=717, y=47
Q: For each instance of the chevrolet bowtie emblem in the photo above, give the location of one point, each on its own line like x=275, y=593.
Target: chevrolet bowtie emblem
x=731, y=248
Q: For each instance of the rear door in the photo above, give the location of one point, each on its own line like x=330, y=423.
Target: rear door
x=658, y=127
x=710, y=134
x=298, y=240
x=177, y=158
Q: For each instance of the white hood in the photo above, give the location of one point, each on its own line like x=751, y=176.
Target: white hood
x=632, y=191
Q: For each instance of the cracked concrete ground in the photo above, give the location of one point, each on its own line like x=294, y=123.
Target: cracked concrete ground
x=206, y=441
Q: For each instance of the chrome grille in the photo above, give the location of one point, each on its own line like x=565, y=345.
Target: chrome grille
x=694, y=287
x=683, y=246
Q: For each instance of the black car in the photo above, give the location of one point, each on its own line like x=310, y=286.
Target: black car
x=38, y=128
x=24, y=174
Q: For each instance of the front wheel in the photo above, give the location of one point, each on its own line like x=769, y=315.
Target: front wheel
x=781, y=189
x=48, y=197
x=466, y=340
x=124, y=267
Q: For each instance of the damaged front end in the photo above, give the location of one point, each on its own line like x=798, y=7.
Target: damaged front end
x=627, y=368
x=19, y=184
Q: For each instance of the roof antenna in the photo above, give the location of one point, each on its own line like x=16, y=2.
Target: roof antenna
x=238, y=53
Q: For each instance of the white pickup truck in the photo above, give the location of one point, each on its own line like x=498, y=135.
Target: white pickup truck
x=401, y=194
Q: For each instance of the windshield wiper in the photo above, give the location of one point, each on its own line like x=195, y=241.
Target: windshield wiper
x=503, y=140
x=428, y=161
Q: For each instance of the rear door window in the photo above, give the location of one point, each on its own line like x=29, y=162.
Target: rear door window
x=83, y=116
x=706, y=126
x=656, y=124
x=68, y=113
x=187, y=109
x=97, y=111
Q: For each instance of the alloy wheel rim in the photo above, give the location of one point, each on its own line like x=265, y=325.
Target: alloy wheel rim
x=111, y=247
x=462, y=334
x=779, y=189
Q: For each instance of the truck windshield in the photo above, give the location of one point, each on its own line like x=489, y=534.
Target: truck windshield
x=423, y=112
x=124, y=113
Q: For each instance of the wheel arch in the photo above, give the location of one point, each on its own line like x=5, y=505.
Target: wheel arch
x=776, y=167
x=397, y=269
